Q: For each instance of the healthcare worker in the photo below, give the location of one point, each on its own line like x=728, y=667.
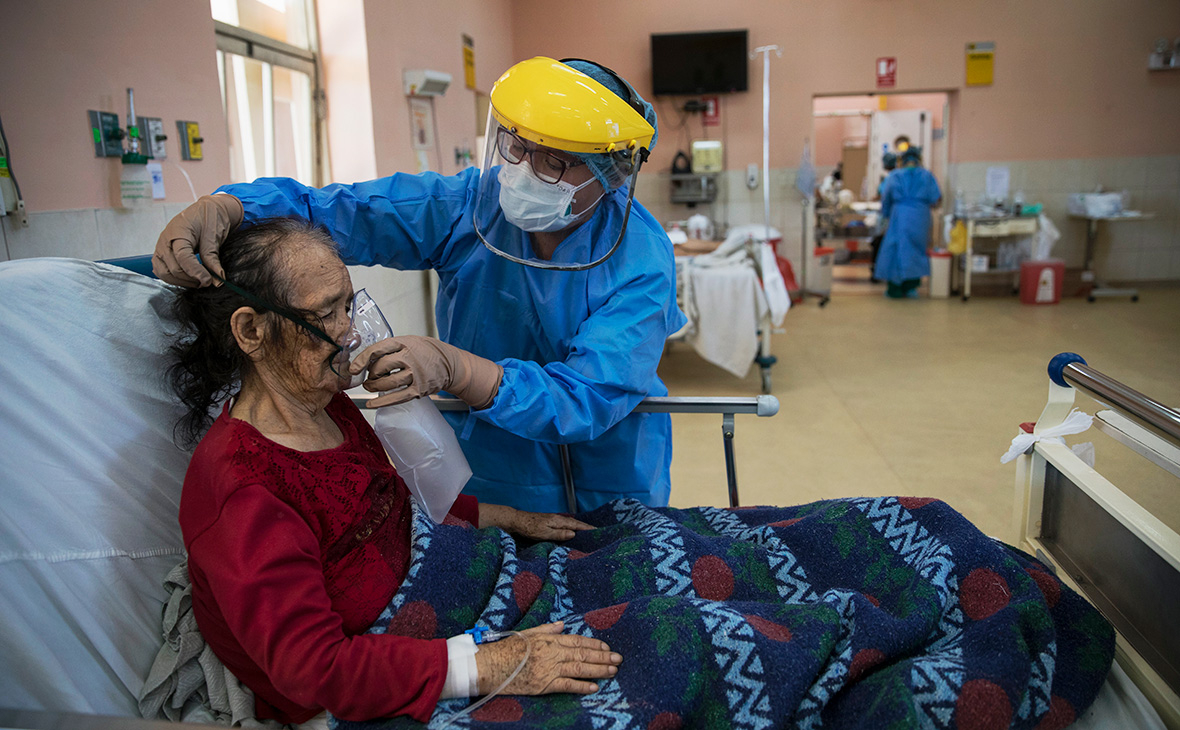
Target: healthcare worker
x=556, y=289
x=910, y=192
x=889, y=162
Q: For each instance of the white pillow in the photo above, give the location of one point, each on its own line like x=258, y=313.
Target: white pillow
x=89, y=483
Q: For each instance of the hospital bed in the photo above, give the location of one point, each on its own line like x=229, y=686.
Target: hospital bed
x=90, y=486
x=733, y=296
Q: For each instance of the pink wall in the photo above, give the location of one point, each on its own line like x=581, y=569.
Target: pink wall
x=61, y=58
x=407, y=35
x=1071, y=76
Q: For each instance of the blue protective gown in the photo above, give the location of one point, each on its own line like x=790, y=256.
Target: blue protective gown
x=579, y=349
x=909, y=194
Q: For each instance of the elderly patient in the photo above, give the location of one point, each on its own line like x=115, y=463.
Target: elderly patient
x=296, y=524
x=320, y=585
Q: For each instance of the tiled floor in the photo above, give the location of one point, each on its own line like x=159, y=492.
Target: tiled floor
x=922, y=397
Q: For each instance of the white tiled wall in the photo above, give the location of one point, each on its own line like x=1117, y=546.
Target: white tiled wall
x=736, y=204
x=1146, y=250
x=107, y=233
x=1128, y=251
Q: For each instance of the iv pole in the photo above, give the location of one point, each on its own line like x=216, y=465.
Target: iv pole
x=765, y=360
x=765, y=51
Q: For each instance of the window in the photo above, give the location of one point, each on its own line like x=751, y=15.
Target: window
x=268, y=67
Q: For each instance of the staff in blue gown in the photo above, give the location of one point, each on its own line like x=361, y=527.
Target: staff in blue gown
x=910, y=192
x=556, y=289
x=889, y=162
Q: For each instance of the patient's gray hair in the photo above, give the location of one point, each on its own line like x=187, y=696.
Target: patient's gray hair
x=208, y=365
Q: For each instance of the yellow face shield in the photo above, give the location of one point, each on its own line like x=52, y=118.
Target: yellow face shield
x=551, y=104
x=558, y=147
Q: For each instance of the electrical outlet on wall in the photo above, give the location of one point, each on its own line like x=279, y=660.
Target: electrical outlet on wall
x=752, y=176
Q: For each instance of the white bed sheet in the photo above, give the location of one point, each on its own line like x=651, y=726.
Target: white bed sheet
x=1120, y=704
x=89, y=484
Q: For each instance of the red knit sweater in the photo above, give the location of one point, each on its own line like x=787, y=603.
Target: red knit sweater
x=292, y=556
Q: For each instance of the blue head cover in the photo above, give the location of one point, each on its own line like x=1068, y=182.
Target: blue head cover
x=911, y=154
x=604, y=166
x=889, y=160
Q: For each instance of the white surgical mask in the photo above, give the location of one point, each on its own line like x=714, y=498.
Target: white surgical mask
x=534, y=205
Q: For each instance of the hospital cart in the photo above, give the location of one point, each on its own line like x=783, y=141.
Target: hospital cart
x=991, y=227
x=1089, y=278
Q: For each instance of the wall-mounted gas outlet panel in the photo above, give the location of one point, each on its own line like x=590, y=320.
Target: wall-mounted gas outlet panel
x=108, y=135
x=190, y=140
x=151, y=131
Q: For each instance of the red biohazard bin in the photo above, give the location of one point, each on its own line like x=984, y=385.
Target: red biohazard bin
x=1040, y=281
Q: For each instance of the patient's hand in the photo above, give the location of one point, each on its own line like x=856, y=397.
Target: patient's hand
x=558, y=662
x=534, y=525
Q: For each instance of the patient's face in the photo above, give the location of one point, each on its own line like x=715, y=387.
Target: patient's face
x=321, y=285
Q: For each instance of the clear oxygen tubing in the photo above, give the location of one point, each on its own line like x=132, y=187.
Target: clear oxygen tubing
x=765, y=51
x=484, y=638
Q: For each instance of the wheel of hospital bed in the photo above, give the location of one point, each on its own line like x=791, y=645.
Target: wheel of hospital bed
x=90, y=485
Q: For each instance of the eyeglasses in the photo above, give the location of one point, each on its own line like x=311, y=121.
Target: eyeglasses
x=547, y=166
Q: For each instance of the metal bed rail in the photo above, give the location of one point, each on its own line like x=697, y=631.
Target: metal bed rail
x=1148, y=412
x=1098, y=538
x=763, y=406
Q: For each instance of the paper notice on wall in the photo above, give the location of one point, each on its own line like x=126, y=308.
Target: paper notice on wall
x=981, y=59
x=423, y=158
x=156, y=170
x=421, y=123
x=469, y=61
x=997, y=183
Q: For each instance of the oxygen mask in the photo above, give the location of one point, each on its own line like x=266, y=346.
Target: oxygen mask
x=368, y=326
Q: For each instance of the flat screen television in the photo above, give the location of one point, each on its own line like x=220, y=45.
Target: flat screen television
x=699, y=63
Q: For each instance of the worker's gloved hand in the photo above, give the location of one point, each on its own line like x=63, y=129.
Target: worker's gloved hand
x=199, y=228
x=558, y=662
x=421, y=366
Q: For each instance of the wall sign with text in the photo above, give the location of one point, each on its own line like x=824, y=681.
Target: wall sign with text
x=886, y=73
x=981, y=58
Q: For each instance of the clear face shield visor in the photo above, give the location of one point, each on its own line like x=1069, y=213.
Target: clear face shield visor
x=531, y=197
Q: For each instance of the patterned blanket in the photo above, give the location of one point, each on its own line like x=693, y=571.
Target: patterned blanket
x=882, y=613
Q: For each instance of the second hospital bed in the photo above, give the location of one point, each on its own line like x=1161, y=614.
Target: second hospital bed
x=91, y=483
x=734, y=296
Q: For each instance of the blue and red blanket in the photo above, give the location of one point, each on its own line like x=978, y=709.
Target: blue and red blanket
x=881, y=613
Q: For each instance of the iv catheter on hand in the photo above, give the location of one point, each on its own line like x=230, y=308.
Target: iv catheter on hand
x=483, y=635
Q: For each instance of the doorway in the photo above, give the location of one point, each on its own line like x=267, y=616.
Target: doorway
x=852, y=135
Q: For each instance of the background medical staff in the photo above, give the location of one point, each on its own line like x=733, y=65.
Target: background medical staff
x=561, y=356
x=910, y=192
x=889, y=162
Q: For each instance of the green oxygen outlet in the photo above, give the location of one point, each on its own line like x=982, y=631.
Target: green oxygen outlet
x=108, y=135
